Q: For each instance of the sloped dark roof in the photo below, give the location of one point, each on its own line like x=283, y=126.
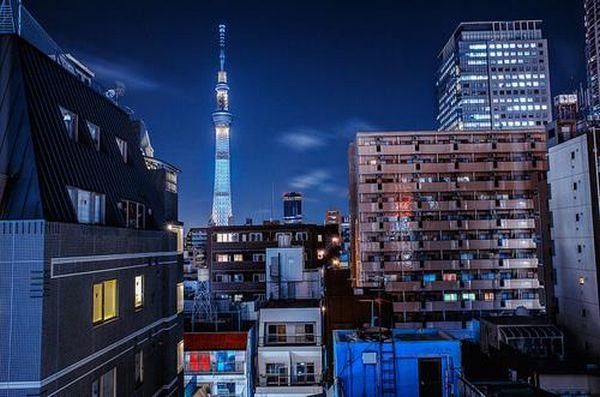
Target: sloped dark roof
x=39, y=157
x=210, y=341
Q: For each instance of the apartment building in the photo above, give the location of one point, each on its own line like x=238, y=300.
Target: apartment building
x=290, y=352
x=237, y=254
x=219, y=363
x=288, y=277
x=449, y=222
x=90, y=266
x=573, y=179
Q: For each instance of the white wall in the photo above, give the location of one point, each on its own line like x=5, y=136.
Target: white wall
x=568, y=234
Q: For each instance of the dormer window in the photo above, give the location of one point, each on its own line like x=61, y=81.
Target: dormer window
x=122, y=144
x=94, y=134
x=70, y=121
x=89, y=206
x=134, y=214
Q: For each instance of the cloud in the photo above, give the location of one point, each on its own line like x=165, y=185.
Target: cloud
x=303, y=139
x=123, y=71
x=310, y=180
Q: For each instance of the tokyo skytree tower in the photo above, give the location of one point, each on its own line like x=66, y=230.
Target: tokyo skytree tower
x=222, y=213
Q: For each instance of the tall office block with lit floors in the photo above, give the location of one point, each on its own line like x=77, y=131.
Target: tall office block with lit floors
x=90, y=273
x=448, y=222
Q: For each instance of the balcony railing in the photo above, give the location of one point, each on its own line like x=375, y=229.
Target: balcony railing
x=286, y=339
x=277, y=380
x=238, y=368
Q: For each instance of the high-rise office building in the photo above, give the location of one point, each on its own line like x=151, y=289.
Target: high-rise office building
x=90, y=266
x=292, y=207
x=592, y=43
x=494, y=75
x=222, y=213
x=447, y=222
x=575, y=218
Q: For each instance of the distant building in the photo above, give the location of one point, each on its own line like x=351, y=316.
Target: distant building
x=575, y=218
x=90, y=244
x=592, y=43
x=237, y=254
x=196, y=241
x=292, y=207
x=288, y=277
x=333, y=217
x=290, y=352
x=448, y=223
x=402, y=362
x=346, y=241
x=494, y=76
x=566, y=116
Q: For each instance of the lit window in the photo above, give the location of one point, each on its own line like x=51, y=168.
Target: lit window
x=581, y=280
x=488, y=296
x=227, y=237
x=450, y=297
x=449, y=276
x=179, y=356
x=105, y=301
x=179, y=297
x=106, y=386
x=238, y=257
x=138, y=300
x=89, y=206
x=70, y=121
x=468, y=296
x=122, y=145
x=139, y=367
x=222, y=258
x=94, y=134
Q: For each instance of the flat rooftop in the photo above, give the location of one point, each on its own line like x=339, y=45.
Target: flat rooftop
x=291, y=304
x=402, y=335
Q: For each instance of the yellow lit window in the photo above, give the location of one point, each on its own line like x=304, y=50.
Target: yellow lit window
x=488, y=296
x=238, y=257
x=105, y=305
x=180, y=356
x=179, y=297
x=138, y=300
x=222, y=258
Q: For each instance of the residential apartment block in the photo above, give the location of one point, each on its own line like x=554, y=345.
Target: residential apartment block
x=90, y=266
x=237, y=254
x=290, y=352
x=449, y=222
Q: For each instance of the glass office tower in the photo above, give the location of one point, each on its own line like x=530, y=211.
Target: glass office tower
x=494, y=75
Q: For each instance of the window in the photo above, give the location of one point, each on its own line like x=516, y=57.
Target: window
x=256, y=237
x=94, y=134
x=105, y=306
x=122, y=145
x=88, y=206
x=70, y=121
x=468, y=296
x=197, y=362
x=222, y=258
x=428, y=278
x=276, y=333
x=305, y=373
x=488, y=296
x=238, y=278
x=106, y=386
x=238, y=258
x=449, y=276
x=179, y=297
x=276, y=374
x=139, y=367
x=180, y=356
x=258, y=257
x=450, y=297
x=227, y=237
x=134, y=214
x=225, y=389
x=138, y=300
x=258, y=277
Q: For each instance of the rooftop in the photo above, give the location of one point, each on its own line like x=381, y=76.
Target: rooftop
x=211, y=341
x=292, y=304
x=401, y=335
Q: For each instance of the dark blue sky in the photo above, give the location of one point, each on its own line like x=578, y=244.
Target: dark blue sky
x=304, y=76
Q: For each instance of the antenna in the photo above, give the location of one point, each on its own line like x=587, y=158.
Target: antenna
x=222, y=30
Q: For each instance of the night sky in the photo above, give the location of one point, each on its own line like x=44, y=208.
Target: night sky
x=304, y=77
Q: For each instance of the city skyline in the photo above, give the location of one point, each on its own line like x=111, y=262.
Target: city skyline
x=275, y=137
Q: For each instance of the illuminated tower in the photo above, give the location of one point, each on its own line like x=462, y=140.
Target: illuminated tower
x=222, y=213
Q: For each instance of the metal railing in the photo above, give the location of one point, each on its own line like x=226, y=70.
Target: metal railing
x=288, y=339
x=237, y=368
x=274, y=380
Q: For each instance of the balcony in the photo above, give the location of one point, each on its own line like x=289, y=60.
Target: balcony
x=288, y=339
x=215, y=368
x=276, y=380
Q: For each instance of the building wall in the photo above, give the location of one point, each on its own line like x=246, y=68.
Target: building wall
x=287, y=277
x=51, y=300
x=438, y=214
x=574, y=220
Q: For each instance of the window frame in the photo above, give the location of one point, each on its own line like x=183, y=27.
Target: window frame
x=96, y=139
x=103, y=318
x=140, y=305
x=180, y=298
x=73, y=135
x=123, y=149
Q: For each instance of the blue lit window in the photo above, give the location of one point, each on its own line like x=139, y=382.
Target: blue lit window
x=429, y=277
